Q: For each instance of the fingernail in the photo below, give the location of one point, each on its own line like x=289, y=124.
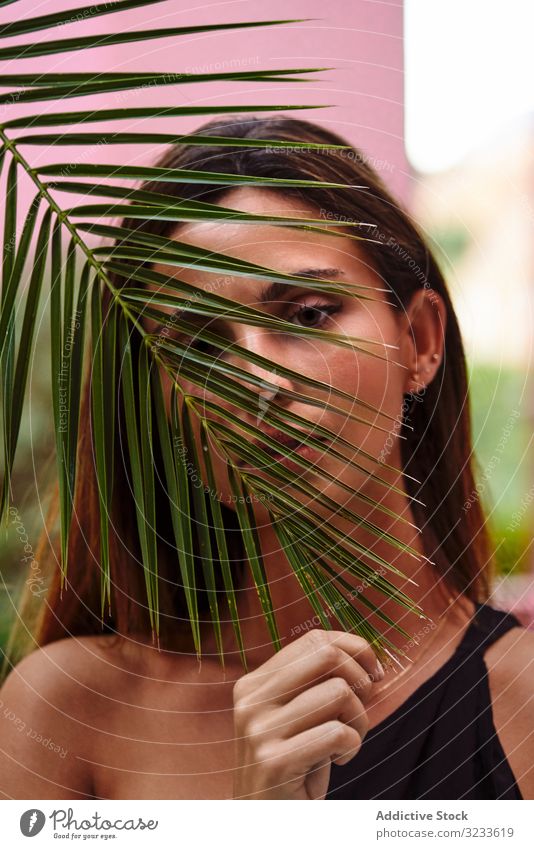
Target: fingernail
x=379, y=670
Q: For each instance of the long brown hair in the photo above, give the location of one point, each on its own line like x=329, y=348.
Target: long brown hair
x=437, y=452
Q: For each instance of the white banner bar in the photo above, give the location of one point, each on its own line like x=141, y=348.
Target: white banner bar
x=236, y=824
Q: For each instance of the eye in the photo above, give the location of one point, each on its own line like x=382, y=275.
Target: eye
x=314, y=314
x=201, y=346
x=309, y=314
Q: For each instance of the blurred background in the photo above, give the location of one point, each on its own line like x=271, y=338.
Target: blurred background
x=469, y=139
x=438, y=97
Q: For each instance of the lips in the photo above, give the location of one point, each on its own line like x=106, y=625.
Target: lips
x=292, y=445
x=283, y=439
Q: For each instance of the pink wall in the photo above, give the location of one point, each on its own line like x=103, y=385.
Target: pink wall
x=360, y=39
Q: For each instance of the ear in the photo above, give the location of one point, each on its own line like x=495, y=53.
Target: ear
x=422, y=340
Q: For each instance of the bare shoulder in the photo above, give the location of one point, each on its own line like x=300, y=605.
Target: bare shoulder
x=45, y=720
x=510, y=664
x=60, y=671
x=98, y=718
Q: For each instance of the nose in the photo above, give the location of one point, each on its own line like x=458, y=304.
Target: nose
x=263, y=343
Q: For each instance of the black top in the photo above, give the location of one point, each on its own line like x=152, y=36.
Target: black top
x=441, y=743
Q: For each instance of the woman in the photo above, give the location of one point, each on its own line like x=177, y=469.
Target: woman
x=319, y=718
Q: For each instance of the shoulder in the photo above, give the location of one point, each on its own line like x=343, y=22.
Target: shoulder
x=56, y=673
x=510, y=664
x=44, y=718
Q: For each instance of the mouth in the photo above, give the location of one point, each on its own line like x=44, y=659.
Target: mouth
x=289, y=446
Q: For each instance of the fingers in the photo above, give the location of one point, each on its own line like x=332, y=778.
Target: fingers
x=333, y=740
x=299, y=711
x=308, y=661
x=281, y=769
x=331, y=699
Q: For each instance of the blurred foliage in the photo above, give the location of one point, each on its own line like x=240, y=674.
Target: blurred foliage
x=31, y=483
x=501, y=405
x=502, y=415
x=449, y=244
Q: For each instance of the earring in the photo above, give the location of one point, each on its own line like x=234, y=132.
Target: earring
x=435, y=356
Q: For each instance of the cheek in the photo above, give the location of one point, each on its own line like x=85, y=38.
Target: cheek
x=372, y=380
x=377, y=380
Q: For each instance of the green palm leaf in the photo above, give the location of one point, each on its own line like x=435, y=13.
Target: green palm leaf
x=65, y=45
x=251, y=542
x=8, y=289
x=175, y=468
x=138, y=428
x=163, y=138
x=202, y=525
x=13, y=404
x=190, y=256
x=54, y=119
x=58, y=18
x=81, y=85
x=222, y=544
x=79, y=274
x=103, y=423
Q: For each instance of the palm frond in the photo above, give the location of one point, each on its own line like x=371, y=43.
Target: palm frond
x=80, y=271
x=242, y=495
x=54, y=119
x=65, y=45
x=139, y=443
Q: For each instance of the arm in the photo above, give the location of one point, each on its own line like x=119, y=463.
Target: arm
x=39, y=730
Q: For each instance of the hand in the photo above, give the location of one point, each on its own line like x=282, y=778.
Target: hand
x=300, y=711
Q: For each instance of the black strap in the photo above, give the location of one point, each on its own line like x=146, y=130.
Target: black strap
x=487, y=625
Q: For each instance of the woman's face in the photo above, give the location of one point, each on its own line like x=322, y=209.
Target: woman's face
x=378, y=381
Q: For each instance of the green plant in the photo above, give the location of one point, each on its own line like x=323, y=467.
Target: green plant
x=79, y=270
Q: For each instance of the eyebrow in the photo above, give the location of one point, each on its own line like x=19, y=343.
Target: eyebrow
x=273, y=291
